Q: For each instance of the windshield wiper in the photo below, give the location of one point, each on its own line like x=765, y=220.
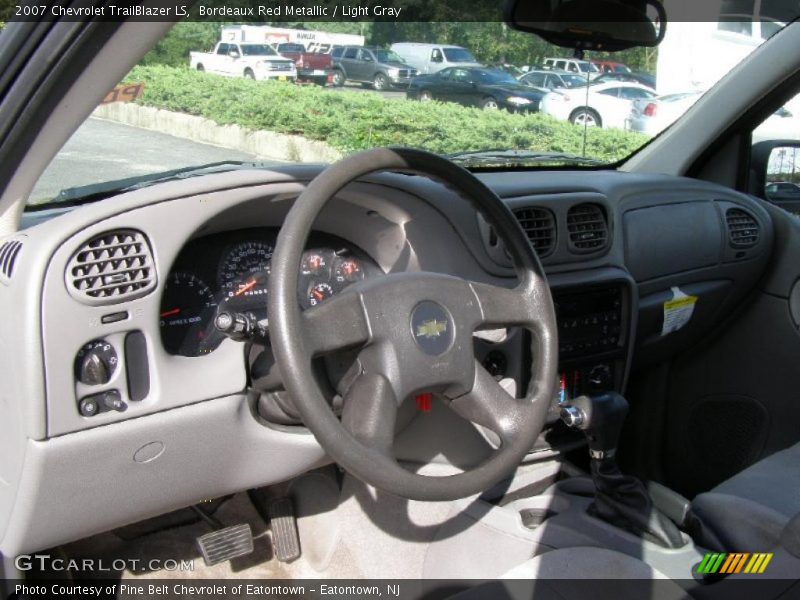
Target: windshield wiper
x=520, y=158
x=97, y=191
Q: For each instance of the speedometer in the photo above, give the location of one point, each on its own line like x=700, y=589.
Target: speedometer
x=244, y=274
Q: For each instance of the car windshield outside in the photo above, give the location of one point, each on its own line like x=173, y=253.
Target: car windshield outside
x=496, y=77
x=174, y=110
x=257, y=50
x=291, y=48
x=458, y=55
x=388, y=56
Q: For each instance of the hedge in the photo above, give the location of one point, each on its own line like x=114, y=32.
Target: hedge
x=351, y=121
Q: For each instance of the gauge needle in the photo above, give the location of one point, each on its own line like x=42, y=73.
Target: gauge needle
x=318, y=295
x=170, y=313
x=245, y=287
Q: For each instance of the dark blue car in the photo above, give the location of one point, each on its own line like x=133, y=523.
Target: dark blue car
x=489, y=89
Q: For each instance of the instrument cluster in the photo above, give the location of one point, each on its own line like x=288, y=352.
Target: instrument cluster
x=230, y=272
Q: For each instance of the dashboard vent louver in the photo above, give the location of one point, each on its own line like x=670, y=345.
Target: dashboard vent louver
x=9, y=252
x=743, y=230
x=540, y=227
x=587, y=227
x=112, y=267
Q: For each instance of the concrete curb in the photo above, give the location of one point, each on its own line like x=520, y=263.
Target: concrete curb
x=265, y=144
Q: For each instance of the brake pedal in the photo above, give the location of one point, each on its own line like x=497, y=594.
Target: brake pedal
x=226, y=544
x=284, y=530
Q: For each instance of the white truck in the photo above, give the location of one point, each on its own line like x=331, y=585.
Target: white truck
x=243, y=59
x=321, y=42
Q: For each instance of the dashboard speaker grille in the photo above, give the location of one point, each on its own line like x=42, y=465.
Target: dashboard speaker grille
x=587, y=227
x=540, y=227
x=743, y=230
x=112, y=267
x=9, y=252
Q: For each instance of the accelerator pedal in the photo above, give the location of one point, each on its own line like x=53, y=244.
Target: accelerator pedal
x=285, y=540
x=226, y=544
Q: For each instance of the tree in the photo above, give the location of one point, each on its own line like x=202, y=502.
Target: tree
x=186, y=36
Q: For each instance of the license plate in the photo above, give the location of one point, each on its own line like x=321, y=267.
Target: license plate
x=281, y=77
x=318, y=72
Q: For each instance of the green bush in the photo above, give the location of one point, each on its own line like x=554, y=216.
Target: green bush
x=351, y=121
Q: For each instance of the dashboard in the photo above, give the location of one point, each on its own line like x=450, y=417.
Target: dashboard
x=229, y=272
x=134, y=284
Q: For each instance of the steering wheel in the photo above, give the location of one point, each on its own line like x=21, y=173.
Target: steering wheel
x=414, y=334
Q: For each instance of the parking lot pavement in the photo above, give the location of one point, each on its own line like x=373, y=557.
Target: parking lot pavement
x=104, y=151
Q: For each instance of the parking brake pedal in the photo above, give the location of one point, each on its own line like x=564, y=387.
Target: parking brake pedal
x=224, y=543
x=284, y=530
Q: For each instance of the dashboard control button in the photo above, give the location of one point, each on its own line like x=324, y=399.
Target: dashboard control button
x=88, y=407
x=95, y=363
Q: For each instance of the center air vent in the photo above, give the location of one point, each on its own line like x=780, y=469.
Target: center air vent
x=539, y=226
x=587, y=227
x=112, y=267
x=743, y=230
x=9, y=251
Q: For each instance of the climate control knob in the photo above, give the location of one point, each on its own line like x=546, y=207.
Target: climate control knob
x=600, y=378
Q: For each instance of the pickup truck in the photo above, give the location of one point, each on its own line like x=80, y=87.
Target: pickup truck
x=255, y=61
x=311, y=66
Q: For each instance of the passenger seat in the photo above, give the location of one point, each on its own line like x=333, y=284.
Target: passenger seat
x=751, y=511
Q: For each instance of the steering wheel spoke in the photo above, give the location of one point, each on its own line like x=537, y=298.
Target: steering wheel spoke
x=489, y=405
x=501, y=306
x=339, y=322
x=370, y=412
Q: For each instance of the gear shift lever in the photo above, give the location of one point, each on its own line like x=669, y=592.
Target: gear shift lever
x=621, y=500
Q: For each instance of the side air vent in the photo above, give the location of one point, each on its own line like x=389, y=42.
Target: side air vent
x=9, y=252
x=587, y=228
x=540, y=227
x=112, y=267
x=743, y=230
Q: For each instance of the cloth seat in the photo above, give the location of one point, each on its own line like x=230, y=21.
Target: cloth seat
x=749, y=511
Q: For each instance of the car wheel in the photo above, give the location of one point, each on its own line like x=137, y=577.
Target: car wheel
x=338, y=78
x=249, y=74
x=425, y=96
x=586, y=117
x=200, y=67
x=381, y=82
x=489, y=104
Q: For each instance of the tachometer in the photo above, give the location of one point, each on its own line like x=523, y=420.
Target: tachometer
x=187, y=310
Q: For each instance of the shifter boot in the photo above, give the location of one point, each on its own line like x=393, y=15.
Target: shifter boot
x=623, y=501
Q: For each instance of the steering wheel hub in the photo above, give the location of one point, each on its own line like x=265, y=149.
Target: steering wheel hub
x=432, y=327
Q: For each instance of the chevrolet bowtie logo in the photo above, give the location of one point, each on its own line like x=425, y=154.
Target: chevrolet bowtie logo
x=431, y=328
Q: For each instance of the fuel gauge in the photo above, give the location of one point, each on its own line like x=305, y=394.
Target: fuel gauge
x=314, y=263
x=319, y=293
x=348, y=270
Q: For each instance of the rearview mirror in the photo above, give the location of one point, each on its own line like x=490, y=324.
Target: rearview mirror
x=233, y=54
x=608, y=25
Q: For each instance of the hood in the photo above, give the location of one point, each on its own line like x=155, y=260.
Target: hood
x=397, y=65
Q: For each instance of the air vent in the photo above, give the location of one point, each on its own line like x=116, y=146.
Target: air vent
x=112, y=267
x=587, y=227
x=9, y=252
x=743, y=230
x=539, y=225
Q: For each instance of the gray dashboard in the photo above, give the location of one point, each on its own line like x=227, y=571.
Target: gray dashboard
x=640, y=237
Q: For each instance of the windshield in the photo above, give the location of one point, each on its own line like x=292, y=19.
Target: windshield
x=458, y=55
x=291, y=48
x=388, y=56
x=495, y=78
x=257, y=50
x=186, y=105
x=585, y=67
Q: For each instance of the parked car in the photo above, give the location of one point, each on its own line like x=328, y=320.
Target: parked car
x=653, y=115
x=254, y=61
x=311, y=66
x=628, y=77
x=572, y=65
x=782, y=190
x=489, y=89
x=379, y=67
x=553, y=80
x=609, y=66
x=600, y=105
x=430, y=58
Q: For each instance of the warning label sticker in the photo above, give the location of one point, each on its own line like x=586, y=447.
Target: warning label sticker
x=677, y=311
